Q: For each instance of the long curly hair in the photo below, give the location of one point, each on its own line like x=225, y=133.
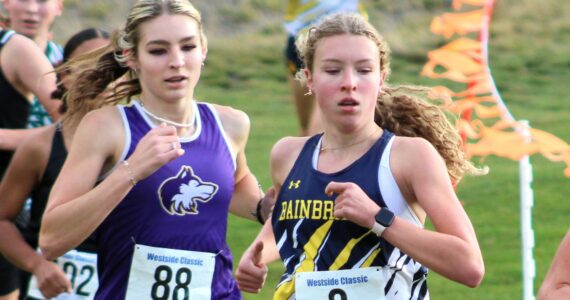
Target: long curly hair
x=403, y=109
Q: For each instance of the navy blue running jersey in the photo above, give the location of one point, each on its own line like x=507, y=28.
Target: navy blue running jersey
x=310, y=239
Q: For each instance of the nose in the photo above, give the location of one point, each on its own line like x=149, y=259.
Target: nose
x=177, y=60
x=32, y=6
x=349, y=81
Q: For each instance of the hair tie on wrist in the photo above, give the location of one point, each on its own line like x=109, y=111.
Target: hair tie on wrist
x=258, y=212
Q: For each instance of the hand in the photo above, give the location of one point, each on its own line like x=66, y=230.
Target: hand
x=251, y=273
x=267, y=203
x=352, y=203
x=158, y=147
x=51, y=279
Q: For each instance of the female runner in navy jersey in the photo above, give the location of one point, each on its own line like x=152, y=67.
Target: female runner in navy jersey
x=155, y=179
x=352, y=201
x=31, y=173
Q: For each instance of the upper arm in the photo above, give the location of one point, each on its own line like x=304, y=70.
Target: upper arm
x=88, y=156
x=236, y=125
x=283, y=156
x=32, y=68
x=24, y=172
x=558, y=276
x=422, y=174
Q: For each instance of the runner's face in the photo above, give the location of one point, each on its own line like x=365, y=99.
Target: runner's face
x=85, y=47
x=346, y=80
x=169, y=61
x=32, y=17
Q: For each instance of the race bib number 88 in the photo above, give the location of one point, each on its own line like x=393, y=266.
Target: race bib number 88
x=353, y=284
x=160, y=273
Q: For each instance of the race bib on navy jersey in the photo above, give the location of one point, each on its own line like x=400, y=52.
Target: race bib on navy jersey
x=353, y=284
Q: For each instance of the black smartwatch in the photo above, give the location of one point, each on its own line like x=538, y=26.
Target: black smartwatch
x=384, y=219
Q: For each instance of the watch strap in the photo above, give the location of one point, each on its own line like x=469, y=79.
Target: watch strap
x=378, y=229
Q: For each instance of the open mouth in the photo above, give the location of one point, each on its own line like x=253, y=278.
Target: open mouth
x=348, y=102
x=30, y=22
x=176, y=79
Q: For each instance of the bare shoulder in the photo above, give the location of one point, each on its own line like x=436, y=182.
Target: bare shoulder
x=288, y=147
x=40, y=138
x=37, y=145
x=105, y=119
x=413, y=149
x=414, y=159
x=106, y=125
x=18, y=40
x=19, y=48
x=235, y=122
x=283, y=156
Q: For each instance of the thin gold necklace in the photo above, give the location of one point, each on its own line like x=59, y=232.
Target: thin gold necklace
x=323, y=148
x=167, y=121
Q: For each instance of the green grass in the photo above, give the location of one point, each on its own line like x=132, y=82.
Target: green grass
x=531, y=71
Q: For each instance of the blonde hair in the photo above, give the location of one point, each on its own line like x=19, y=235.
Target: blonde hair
x=400, y=109
x=97, y=70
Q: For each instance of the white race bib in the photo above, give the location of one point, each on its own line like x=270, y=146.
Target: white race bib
x=160, y=273
x=81, y=269
x=352, y=284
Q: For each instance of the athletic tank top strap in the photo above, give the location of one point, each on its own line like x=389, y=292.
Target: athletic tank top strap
x=5, y=36
x=40, y=193
x=54, y=53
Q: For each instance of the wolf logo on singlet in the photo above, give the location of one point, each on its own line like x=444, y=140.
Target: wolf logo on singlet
x=191, y=189
x=310, y=239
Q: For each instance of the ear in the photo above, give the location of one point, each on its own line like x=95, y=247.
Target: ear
x=383, y=76
x=204, y=54
x=309, y=77
x=59, y=7
x=131, y=62
x=133, y=65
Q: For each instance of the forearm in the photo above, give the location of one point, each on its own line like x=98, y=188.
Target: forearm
x=270, y=252
x=10, y=139
x=247, y=195
x=53, y=109
x=440, y=252
x=560, y=291
x=556, y=283
x=15, y=249
x=68, y=224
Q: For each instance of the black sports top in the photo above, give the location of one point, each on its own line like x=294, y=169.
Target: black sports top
x=40, y=194
x=14, y=107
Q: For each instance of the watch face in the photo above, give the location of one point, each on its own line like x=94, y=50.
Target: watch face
x=385, y=217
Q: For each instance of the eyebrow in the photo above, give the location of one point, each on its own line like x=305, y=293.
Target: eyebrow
x=340, y=61
x=165, y=42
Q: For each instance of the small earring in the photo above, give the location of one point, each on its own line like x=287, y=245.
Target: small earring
x=309, y=93
x=203, y=64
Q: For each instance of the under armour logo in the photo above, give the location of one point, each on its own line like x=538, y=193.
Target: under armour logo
x=294, y=184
